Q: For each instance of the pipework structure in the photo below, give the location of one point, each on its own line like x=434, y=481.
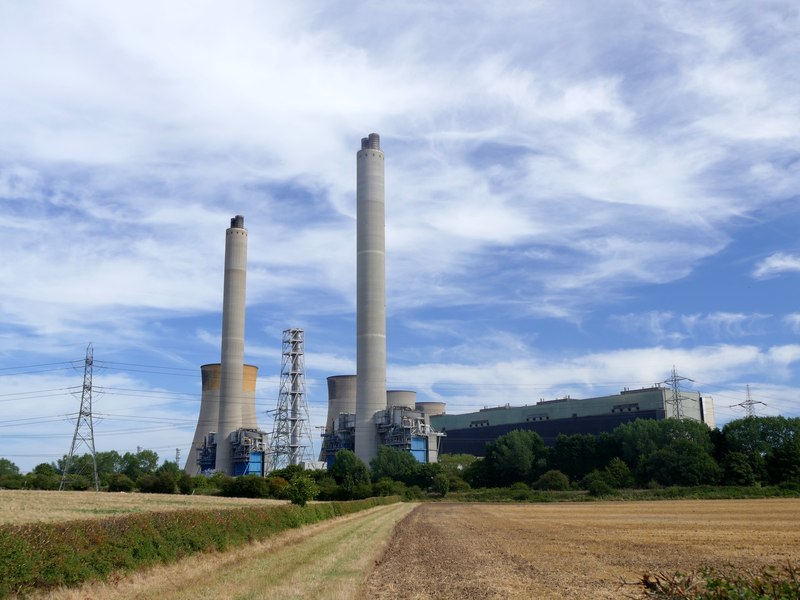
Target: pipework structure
x=370, y=295
x=291, y=433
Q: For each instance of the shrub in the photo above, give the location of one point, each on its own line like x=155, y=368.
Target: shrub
x=440, y=484
x=302, y=489
x=120, y=482
x=277, y=487
x=388, y=487
x=246, y=486
x=552, y=480
x=160, y=483
x=597, y=484
x=520, y=491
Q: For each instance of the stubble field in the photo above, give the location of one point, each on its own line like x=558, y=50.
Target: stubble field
x=471, y=551
x=31, y=506
x=582, y=550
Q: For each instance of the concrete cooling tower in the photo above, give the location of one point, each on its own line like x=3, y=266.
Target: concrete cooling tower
x=341, y=398
x=370, y=295
x=209, y=408
x=406, y=398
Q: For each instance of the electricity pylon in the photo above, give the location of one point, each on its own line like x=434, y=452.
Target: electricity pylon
x=676, y=399
x=84, y=429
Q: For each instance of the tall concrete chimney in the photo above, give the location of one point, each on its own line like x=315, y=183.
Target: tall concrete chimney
x=231, y=397
x=370, y=295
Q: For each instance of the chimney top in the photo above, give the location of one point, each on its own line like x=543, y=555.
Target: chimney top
x=373, y=142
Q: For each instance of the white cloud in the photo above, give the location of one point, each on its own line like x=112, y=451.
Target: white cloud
x=775, y=264
x=793, y=321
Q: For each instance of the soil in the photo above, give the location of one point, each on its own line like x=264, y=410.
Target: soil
x=591, y=550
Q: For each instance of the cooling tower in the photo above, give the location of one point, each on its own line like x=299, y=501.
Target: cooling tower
x=431, y=409
x=209, y=407
x=231, y=398
x=370, y=295
x=250, y=375
x=401, y=398
x=341, y=398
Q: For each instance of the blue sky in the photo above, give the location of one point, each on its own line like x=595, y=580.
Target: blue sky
x=579, y=197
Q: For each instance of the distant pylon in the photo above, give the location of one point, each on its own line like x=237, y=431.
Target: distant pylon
x=84, y=429
x=291, y=435
x=676, y=399
x=749, y=404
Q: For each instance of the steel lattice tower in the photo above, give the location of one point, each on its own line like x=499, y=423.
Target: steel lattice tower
x=749, y=405
x=676, y=399
x=291, y=434
x=84, y=428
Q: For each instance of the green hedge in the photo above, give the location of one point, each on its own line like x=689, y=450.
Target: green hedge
x=46, y=555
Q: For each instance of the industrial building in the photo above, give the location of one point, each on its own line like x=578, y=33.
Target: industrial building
x=403, y=424
x=468, y=433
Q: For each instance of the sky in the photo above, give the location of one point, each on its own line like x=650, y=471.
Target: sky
x=579, y=196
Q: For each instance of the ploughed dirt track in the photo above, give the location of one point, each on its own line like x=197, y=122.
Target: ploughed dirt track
x=586, y=550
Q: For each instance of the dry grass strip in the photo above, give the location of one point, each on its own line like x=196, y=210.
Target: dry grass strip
x=30, y=506
x=327, y=560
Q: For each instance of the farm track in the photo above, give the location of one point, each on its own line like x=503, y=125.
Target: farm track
x=587, y=550
x=326, y=560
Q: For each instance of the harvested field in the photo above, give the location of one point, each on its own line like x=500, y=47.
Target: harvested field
x=28, y=506
x=576, y=550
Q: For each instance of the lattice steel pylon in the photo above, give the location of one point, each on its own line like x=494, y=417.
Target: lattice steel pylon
x=291, y=434
x=84, y=428
x=676, y=399
x=749, y=405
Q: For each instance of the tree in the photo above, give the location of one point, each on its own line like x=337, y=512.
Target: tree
x=784, y=462
x=737, y=469
x=760, y=439
x=43, y=477
x=574, y=455
x=302, y=489
x=9, y=475
x=394, y=464
x=682, y=462
x=618, y=474
x=515, y=456
x=641, y=438
x=351, y=474
x=136, y=464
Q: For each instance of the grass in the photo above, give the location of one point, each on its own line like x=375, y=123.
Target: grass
x=37, y=506
x=46, y=555
x=327, y=560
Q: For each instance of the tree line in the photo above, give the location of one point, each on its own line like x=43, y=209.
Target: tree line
x=644, y=453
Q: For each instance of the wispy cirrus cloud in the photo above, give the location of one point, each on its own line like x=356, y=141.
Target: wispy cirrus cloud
x=776, y=264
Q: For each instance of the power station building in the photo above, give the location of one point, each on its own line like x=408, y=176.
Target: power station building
x=403, y=424
x=468, y=433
